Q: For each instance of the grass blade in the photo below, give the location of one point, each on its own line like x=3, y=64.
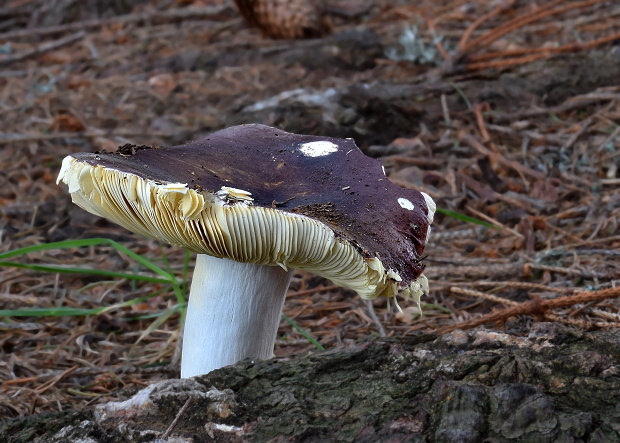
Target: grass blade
x=70, y=270
x=66, y=311
x=303, y=332
x=49, y=312
x=55, y=245
x=88, y=242
x=137, y=257
x=465, y=218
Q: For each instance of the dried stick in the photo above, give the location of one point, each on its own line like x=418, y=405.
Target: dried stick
x=526, y=19
x=584, y=126
x=177, y=418
x=594, y=241
x=483, y=295
x=568, y=105
x=494, y=222
x=607, y=141
x=212, y=12
x=505, y=63
x=571, y=47
x=483, y=271
x=41, y=49
x=568, y=271
x=474, y=143
x=536, y=54
x=516, y=285
x=45, y=386
x=478, y=108
x=471, y=28
x=536, y=306
x=14, y=138
x=576, y=322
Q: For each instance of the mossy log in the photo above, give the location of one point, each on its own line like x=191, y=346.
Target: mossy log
x=551, y=384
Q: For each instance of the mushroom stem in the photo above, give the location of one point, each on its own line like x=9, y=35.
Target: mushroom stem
x=234, y=312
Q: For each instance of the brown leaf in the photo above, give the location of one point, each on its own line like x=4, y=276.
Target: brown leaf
x=67, y=123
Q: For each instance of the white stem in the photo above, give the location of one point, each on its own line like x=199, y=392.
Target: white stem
x=233, y=313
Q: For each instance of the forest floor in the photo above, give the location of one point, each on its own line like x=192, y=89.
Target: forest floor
x=516, y=124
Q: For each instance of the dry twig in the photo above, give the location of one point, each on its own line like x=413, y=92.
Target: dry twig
x=206, y=13
x=483, y=295
x=576, y=102
x=537, y=307
x=463, y=42
x=42, y=49
x=499, y=158
x=540, y=13
x=174, y=423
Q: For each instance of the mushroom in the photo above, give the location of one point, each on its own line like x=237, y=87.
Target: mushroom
x=255, y=203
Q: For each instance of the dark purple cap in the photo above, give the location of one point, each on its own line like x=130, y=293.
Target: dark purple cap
x=252, y=167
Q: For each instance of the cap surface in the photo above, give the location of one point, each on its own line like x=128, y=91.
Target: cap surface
x=257, y=194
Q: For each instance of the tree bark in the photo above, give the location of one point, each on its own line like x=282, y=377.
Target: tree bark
x=551, y=384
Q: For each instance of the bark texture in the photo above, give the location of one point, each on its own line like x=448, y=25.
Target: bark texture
x=550, y=384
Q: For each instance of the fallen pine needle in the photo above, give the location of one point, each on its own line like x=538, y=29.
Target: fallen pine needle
x=536, y=306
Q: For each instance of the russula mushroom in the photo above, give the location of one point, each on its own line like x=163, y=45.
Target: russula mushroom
x=256, y=202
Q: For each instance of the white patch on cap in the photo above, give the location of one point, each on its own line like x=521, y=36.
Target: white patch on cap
x=318, y=149
x=404, y=203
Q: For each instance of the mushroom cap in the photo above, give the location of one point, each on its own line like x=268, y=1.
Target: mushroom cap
x=260, y=195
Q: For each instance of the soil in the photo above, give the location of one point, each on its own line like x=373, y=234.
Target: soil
x=517, y=126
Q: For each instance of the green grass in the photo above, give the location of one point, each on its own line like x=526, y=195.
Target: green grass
x=460, y=92
x=178, y=286
x=465, y=218
x=303, y=332
x=161, y=276
x=155, y=274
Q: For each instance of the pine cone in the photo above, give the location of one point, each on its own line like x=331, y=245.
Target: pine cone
x=285, y=18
